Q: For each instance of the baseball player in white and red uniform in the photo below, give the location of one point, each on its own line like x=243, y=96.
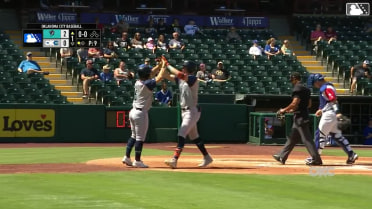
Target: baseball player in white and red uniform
x=188, y=85
x=329, y=112
x=138, y=116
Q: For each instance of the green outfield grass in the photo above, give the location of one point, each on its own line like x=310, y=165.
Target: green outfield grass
x=161, y=190
x=65, y=154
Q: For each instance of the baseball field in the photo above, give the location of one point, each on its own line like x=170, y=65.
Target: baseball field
x=241, y=176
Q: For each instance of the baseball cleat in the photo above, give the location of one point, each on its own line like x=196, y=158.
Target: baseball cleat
x=172, y=163
x=279, y=159
x=308, y=160
x=352, y=158
x=139, y=164
x=206, y=161
x=127, y=161
x=314, y=162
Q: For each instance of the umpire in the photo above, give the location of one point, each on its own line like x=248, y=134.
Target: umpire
x=300, y=104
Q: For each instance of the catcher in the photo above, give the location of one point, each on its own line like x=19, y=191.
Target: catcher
x=300, y=104
x=332, y=121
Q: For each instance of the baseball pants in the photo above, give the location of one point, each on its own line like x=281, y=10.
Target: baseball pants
x=300, y=132
x=189, y=127
x=139, y=122
x=328, y=125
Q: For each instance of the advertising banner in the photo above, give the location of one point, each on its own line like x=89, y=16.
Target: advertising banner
x=27, y=122
x=56, y=17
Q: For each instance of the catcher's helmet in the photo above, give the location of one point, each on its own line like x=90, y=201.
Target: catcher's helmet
x=144, y=71
x=314, y=77
x=190, y=66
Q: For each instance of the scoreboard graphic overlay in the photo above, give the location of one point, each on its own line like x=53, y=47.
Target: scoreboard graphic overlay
x=61, y=35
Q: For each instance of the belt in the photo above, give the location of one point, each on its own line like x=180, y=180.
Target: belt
x=140, y=109
x=185, y=108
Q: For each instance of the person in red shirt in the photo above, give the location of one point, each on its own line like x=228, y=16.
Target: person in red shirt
x=316, y=36
x=330, y=35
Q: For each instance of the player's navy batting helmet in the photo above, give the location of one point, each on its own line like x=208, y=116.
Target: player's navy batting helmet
x=144, y=71
x=190, y=66
x=313, y=78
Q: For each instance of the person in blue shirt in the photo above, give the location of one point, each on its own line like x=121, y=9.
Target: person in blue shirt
x=164, y=96
x=146, y=64
x=106, y=75
x=271, y=49
x=29, y=66
x=368, y=133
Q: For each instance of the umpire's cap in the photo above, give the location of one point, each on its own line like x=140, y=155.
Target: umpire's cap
x=144, y=71
x=190, y=66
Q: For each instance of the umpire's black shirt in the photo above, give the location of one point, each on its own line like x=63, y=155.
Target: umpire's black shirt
x=303, y=93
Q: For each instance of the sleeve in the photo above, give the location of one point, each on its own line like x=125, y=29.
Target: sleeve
x=37, y=65
x=21, y=65
x=250, y=50
x=267, y=48
x=82, y=72
x=296, y=92
x=191, y=80
x=330, y=94
x=150, y=84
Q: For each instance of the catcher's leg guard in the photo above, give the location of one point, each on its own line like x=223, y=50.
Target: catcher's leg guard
x=322, y=142
x=344, y=143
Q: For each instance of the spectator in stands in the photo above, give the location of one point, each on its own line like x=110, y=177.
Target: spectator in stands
x=255, y=50
x=271, y=49
x=233, y=36
x=121, y=26
x=161, y=44
x=367, y=132
x=82, y=54
x=176, y=26
x=150, y=29
x=106, y=75
x=150, y=45
x=164, y=96
x=330, y=35
x=316, y=36
x=176, y=43
x=66, y=54
x=191, y=28
x=269, y=131
x=202, y=74
x=359, y=71
x=29, y=66
x=94, y=53
x=286, y=50
x=88, y=74
x=123, y=42
x=220, y=74
x=147, y=63
x=121, y=73
x=136, y=42
x=162, y=28
x=109, y=52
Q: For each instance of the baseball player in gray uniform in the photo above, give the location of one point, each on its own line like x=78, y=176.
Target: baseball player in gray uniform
x=138, y=116
x=188, y=86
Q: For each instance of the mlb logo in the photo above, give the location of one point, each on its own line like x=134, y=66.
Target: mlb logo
x=357, y=9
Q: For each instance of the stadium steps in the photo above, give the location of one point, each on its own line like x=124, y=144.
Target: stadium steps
x=55, y=77
x=312, y=65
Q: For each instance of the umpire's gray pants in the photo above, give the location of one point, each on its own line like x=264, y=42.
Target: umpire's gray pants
x=300, y=130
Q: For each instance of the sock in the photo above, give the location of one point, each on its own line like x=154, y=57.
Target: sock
x=344, y=143
x=130, y=145
x=180, y=145
x=200, y=144
x=138, y=149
